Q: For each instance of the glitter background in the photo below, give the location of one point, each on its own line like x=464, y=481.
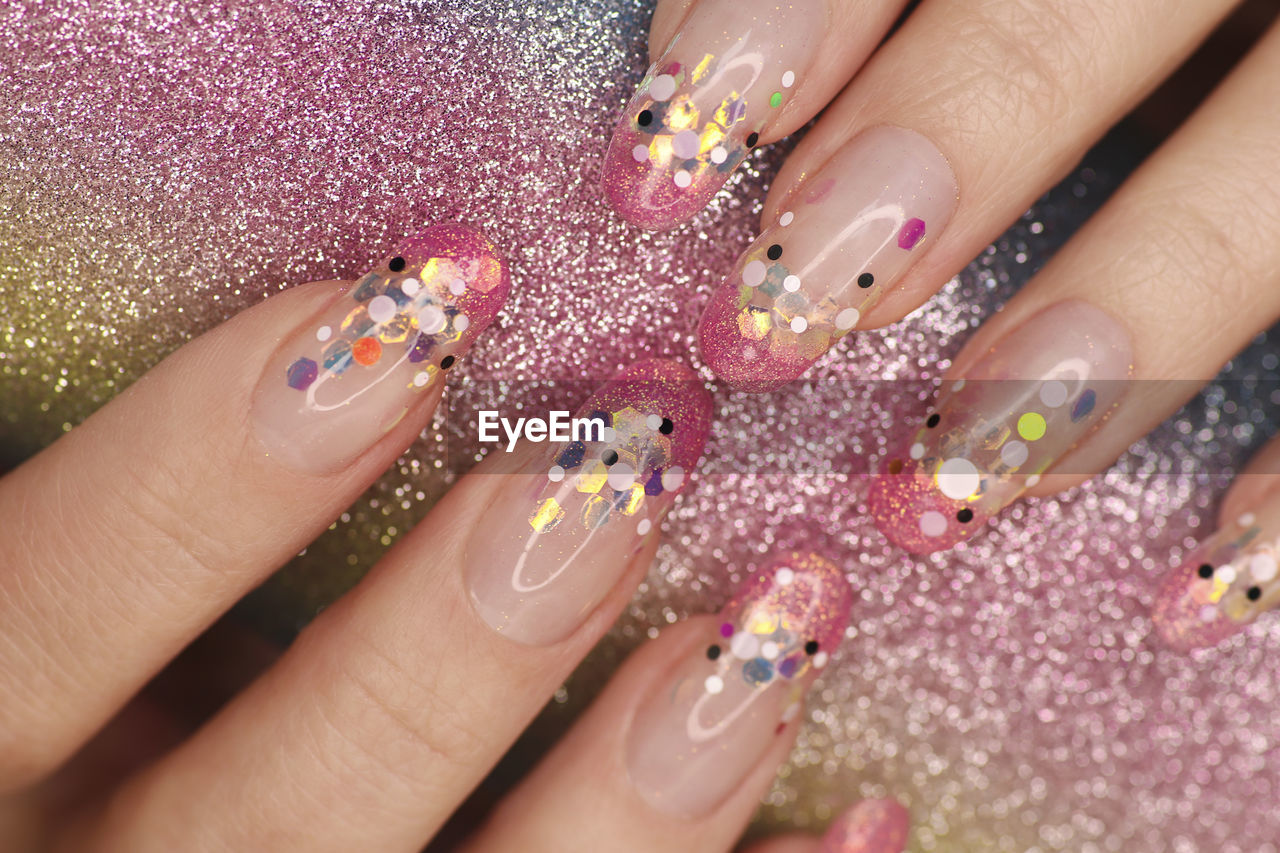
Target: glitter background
x=163, y=166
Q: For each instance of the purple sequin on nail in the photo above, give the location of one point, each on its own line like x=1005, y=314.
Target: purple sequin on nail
x=1084, y=405
x=910, y=234
x=302, y=373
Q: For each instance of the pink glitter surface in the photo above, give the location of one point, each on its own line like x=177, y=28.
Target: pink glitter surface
x=165, y=166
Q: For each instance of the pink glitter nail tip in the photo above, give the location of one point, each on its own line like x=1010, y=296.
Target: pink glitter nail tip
x=914, y=515
x=1185, y=616
x=799, y=593
x=871, y=826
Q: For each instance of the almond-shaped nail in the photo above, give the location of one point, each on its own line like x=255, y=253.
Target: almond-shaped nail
x=352, y=371
x=843, y=238
x=703, y=105
x=871, y=826
x=1225, y=584
x=711, y=719
x=545, y=555
x=1034, y=396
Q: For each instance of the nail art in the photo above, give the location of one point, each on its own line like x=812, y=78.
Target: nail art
x=1224, y=585
x=352, y=372
x=543, y=558
x=1029, y=400
x=703, y=105
x=698, y=735
x=843, y=239
x=871, y=826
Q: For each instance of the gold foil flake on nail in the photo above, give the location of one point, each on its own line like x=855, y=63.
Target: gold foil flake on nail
x=547, y=516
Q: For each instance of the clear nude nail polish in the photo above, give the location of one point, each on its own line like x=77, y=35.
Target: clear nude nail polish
x=704, y=104
x=709, y=721
x=551, y=547
x=1031, y=398
x=351, y=372
x=844, y=237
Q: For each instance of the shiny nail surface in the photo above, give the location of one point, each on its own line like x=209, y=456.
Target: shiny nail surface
x=1224, y=584
x=702, y=106
x=1030, y=399
x=711, y=719
x=549, y=551
x=871, y=826
x=843, y=238
x=351, y=372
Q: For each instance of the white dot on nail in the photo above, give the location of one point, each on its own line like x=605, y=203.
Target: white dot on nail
x=769, y=650
x=784, y=576
x=324, y=333
x=753, y=273
x=788, y=79
x=621, y=477
x=410, y=286
x=382, y=308
x=1033, y=480
x=958, y=478
x=917, y=451
x=1226, y=574
x=640, y=153
x=457, y=286
x=556, y=474
x=933, y=523
x=1013, y=454
x=785, y=219
x=714, y=684
x=847, y=319
x=421, y=379
x=1053, y=393
x=744, y=645
x=791, y=283
x=662, y=87
x=644, y=526
x=719, y=154
x=820, y=660
x=1245, y=520
x=799, y=324
x=431, y=320
x=958, y=385
x=461, y=323
x=653, y=421
x=686, y=144
x=1262, y=567
x=608, y=435
x=672, y=478
x=683, y=179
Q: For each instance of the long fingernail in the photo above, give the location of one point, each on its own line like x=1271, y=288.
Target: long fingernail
x=352, y=371
x=1030, y=399
x=1226, y=583
x=871, y=826
x=545, y=555
x=702, y=106
x=712, y=718
x=841, y=241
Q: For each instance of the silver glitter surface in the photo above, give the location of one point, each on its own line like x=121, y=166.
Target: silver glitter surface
x=163, y=166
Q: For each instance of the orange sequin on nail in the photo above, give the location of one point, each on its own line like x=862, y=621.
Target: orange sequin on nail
x=366, y=351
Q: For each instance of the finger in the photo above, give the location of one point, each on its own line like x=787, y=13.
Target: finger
x=870, y=826
x=678, y=750
x=398, y=699
x=1155, y=293
x=1230, y=577
x=134, y=531
x=958, y=123
x=734, y=74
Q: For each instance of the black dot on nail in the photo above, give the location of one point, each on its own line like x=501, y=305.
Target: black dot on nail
x=397, y=264
x=895, y=467
x=1254, y=593
x=666, y=427
x=775, y=252
x=447, y=362
x=645, y=118
x=866, y=280
x=964, y=516
x=713, y=652
x=933, y=421
x=610, y=457
x=752, y=140
x=1206, y=571
x=811, y=647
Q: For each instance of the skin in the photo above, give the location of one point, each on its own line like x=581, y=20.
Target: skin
x=378, y=721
